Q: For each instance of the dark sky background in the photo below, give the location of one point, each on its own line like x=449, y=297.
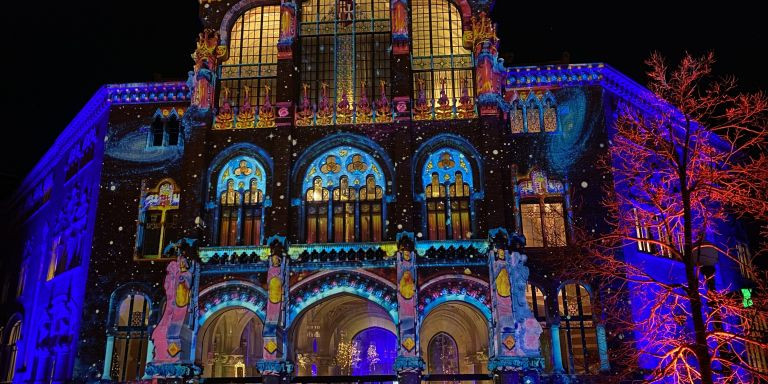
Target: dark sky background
x=59, y=52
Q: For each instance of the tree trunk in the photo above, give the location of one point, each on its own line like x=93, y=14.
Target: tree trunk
x=694, y=296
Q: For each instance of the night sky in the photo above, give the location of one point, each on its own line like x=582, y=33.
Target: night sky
x=58, y=53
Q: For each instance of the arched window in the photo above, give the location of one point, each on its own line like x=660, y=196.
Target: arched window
x=448, y=186
x=516, y=119
x=537, y=302
x=438, y=51
x=158, y=134
x=550, y=113
x=344, y=192
x=240, y=193
x=345, y=44
x=158, y=219
x=131, y=335
x=252, y=60
x=165, y=129
x=533, y=113
x=542, y=210
x=443, y=354
x=12, y=348
x=173, y=129
x=578, y=335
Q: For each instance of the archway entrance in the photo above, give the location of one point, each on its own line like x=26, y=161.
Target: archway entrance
x=343, y=335
x=454, y=339
x=229, y=343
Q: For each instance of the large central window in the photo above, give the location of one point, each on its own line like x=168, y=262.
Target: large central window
x=345, y=48
x=343, y=198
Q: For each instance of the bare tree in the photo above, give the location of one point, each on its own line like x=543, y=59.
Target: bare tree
x=685, y=166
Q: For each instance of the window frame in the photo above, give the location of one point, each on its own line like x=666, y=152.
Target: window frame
x=266, y=71
x=165, y=211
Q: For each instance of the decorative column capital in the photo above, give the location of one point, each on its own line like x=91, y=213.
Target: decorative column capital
x=409, y=364
x=274, y=367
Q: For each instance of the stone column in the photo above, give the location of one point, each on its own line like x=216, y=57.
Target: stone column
x=402, y=79
x=172, y=350
x=515, y=354
x=274, y=367
x=286, y=90
x=409, y=363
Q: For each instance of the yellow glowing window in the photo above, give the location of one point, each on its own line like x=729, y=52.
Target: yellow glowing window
x=252, y=56
x=345, y=49
x=438, y=52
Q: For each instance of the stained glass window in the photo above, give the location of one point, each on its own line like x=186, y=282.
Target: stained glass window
x=447, y=178
x=158, y=219
x=346, y=45
x=343, y=198
x=550, y=113
x=438, y=51
x=542, y=211
x=252, y=60
x=240, y=190
x=578, y=334
x=516, y=120
x=533, y=114
x=129, y=351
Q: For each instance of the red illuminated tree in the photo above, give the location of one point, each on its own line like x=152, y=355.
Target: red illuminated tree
x=686, y=162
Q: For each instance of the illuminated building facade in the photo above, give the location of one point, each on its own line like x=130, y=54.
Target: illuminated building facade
x=338, y=189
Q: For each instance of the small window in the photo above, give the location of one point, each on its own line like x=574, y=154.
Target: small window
x=158, y=219
x=172, y=127
x=578, y=334
x=129, y=351
x=165, y=130
x=542, y=211
x=158, y=132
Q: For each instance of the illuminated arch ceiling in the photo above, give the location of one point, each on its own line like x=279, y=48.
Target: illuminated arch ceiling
x=340, y=161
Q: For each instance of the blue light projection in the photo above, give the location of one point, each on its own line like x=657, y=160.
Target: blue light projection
x=378, y=350
x=341, y=161
x=446, y=163
x=241, y=173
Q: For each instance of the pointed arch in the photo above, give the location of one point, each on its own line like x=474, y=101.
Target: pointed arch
x=232, y=293
x=345, y=184
x=453, y=287
x=332, y=283
x=131, y=316
x=239, y=182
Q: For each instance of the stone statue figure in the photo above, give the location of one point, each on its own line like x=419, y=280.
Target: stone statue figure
x=527, y=328
x=178, y=287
